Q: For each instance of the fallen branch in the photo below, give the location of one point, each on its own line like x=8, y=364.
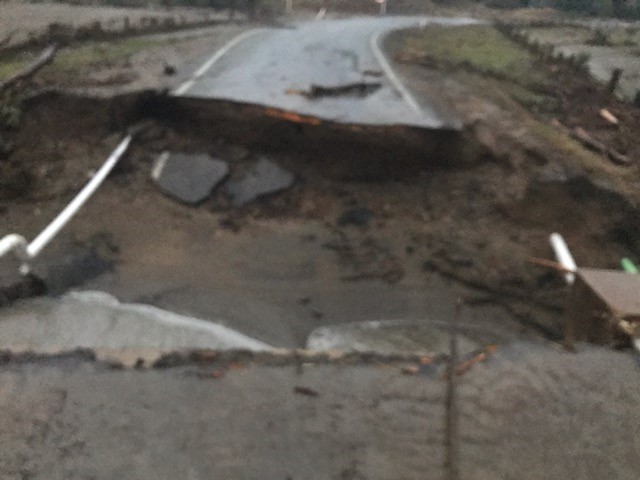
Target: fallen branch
x=582, y=136
x=543, y=262
x=609, y=117
x=595, y=145
x=45, y=58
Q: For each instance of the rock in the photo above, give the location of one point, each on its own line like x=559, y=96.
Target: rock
x=188, y=178
x=390, y=337
x=264, y=178
x=98, y=320
x=356, y=216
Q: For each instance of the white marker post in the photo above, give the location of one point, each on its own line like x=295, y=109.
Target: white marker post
x=383, y=6
x=288, y=6
x=564, y=256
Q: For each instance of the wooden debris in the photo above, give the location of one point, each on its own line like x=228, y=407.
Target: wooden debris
x=464, y=367
x=609, y=117
x=597, y=146
x=45, y=58
x=544, y=263
x=309, y=392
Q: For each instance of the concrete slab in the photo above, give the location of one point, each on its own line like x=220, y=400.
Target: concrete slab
x=98, y=320
x=188, y=178
x=264, y=178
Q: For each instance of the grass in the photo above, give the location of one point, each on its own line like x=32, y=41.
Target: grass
x=91, y=54
x=483, y=50
x=12, y=65
x=479, y=48
x=74, y=60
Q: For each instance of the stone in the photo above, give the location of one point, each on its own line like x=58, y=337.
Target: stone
x=188, y=178
x=356, y=216
x=263, y=178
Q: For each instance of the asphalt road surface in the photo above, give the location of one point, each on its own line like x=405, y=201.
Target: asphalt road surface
x=315, y=68
x=526, y=413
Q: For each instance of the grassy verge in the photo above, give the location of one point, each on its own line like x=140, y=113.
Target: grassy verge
x=11, y=66
x=482, y=50
x=73, y=61
x=479, y=48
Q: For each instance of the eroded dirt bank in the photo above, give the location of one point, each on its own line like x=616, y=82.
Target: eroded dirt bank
x=438, y=224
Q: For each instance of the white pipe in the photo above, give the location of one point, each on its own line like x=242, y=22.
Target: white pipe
x=564, y=256
x=18, y=245
x=14, y=243
x=67, y=214
x=321, y=13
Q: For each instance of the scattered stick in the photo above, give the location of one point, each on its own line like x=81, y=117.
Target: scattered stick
x=609, y=117
x=544, y=263
x=45, y=58
x=581, y=135
x=592, y=144
x=465, y=366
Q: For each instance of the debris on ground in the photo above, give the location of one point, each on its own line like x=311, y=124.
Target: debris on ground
x=591, y=143
x=603, y=308
x=358, y=89
x=609, y=117
x=427, y=338
x=188, y=178
x=360, y=217
x=628, y=266
x=463, y=367
x=263, y=178
x=309, y=392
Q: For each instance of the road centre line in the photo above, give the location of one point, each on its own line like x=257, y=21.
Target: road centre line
x=182, y=89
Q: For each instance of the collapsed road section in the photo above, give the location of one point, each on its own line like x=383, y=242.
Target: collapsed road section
x=302, y=227
x=337, y=146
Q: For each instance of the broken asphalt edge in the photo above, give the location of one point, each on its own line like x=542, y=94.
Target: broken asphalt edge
x=151, y=358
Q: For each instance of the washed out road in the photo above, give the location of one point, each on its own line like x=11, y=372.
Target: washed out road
x=280, y=68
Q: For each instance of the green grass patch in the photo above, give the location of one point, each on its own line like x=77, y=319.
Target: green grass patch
x=99, y=54
x=11, y=66
x=78, y=58
x=480, y=48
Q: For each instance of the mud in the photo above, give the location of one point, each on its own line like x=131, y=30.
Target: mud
x=455, y=225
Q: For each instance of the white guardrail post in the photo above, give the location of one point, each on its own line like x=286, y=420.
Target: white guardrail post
x=26, y=252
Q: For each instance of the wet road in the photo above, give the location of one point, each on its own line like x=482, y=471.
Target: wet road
x=528, y=413
x=279, y=67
